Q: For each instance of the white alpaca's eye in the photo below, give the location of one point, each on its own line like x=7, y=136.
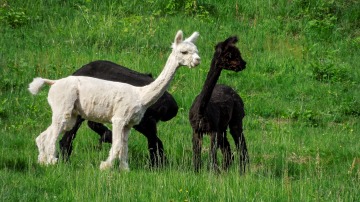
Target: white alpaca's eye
x=184, y=52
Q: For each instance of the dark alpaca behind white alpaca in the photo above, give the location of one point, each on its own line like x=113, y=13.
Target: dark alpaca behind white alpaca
x=164, y=109
x=219, y=107
x=98, y=100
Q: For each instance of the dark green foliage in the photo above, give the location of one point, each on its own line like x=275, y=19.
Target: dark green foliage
x=14, y=18
x=327, y=71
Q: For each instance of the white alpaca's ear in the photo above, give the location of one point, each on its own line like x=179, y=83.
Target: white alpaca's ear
x=193, y=37
x=178, y=37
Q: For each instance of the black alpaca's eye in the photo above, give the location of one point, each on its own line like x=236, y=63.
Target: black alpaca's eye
x=184, y=52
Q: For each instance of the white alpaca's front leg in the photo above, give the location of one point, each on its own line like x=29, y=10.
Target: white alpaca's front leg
x=123, y=156
x=118, y=126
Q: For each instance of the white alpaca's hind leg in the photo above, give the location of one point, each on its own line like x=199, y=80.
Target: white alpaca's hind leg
x=48, y=147
x=40, y=143
x=43, y=142
x=58, y=126
x=51, y=146
x=61, y=99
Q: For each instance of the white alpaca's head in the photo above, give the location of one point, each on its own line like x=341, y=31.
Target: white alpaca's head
x=185, y=50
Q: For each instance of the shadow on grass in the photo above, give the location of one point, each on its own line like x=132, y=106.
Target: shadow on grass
x=18, y=165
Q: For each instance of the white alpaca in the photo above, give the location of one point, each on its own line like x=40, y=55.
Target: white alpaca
x=98, y=100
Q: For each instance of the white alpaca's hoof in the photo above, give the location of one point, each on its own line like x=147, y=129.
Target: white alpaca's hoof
x=42, y=159
x=124, y=167
x=52, y=160
x=104, y=165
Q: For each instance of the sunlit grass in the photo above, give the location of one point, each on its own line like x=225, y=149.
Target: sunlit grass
x=300, y=88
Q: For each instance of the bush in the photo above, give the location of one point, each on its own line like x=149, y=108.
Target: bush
x=326, y=70
x=14, y=18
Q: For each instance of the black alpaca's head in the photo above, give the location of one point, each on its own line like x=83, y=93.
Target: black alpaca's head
x=228, y=55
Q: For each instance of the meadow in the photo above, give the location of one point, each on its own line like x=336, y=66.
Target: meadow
x=301, y=90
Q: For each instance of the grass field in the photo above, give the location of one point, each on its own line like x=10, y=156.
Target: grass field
x=301, y=90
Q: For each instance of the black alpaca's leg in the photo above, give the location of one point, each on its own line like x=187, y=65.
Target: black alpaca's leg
x=240, y=142
x=68, y=137
x=213, y=154
x=224, y=145
x=102, y=130
x=148, y=128
x=244, y=153
x=197, y=144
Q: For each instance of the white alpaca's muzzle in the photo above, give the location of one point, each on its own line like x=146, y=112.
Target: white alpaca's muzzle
x=195, y=62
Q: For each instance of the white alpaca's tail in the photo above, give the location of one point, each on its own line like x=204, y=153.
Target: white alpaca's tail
x=37, y=83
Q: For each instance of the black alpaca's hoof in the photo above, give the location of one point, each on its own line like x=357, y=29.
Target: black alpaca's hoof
x=215, y=168
x=162, y=162
x=65, y=152
x=106, y=137
x=158, y=161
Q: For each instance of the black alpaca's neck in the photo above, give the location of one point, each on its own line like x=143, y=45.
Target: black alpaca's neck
x=209, y=85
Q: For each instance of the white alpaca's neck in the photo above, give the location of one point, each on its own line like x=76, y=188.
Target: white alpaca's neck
x=152, y=92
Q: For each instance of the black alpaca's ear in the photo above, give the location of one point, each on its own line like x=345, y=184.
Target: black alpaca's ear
x=223, y=46
x=219, y=48
x=231, y=40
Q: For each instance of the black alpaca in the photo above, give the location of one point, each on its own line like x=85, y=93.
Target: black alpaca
x=164, y=109
x=218, y=107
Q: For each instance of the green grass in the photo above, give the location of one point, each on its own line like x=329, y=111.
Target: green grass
x=301, y=92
